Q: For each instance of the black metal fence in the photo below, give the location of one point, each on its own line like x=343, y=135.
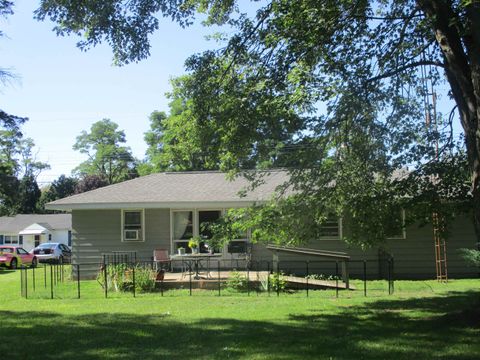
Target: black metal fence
x=128, y=276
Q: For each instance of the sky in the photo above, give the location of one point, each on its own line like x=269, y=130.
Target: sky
x=63, y=90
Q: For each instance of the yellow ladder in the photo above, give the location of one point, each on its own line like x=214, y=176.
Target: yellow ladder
x=440, y=249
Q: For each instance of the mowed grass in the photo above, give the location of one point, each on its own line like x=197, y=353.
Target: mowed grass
x=422, y=320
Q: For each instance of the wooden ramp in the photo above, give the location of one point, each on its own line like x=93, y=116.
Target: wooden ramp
x=211, y=281
x=338, y=256
x=316, y=284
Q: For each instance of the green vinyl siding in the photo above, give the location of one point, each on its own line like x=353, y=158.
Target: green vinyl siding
x=98, y=232
x=414, y=256
x=95, y=232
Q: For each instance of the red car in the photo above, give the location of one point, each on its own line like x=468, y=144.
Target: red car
x=14, y=256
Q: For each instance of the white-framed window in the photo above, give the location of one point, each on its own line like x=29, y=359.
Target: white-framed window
x=133, y=225
x=193, y=222
x=182, y=229
x=331, y=228
x=204, y=218
x=402, y=235
x=11, y=240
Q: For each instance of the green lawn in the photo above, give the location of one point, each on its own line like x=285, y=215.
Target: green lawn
x=421, y=320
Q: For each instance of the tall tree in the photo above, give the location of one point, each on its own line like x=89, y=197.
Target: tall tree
x=62, y=187
x=28, y=195
x=7, y=120
x=10, y=137
x=154, y=140
x=90, y=182
x=107, y=157
x=174, y=144
x=19, y=169
x=363, y=64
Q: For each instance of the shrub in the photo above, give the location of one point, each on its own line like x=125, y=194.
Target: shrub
x=117, y=278
x=471, y=256
x=120, y=278
x=277, y=281
x=144, y=279
x=236, y=282
x=322, y=277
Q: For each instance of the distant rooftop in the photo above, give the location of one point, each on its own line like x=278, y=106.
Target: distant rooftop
x=14, y=224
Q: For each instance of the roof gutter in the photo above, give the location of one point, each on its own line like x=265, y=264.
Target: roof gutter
x=151, y=205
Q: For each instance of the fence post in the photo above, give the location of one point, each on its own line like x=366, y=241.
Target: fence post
x=190, y=277
x=161, y=284
x=133, y=279
x=248, y=281
x=105, y=277
x=389, y=277
x=21, y=283
x=51, y=282
x=268, y=278
x=33, y=277
x=278, y=278
x=365, y=277
x=308, y=273
x=45, y=275
x=78, y=280
x=258, y=278
x=393, y=278
x=26, y=281
x=219, y=284
x=336, y=278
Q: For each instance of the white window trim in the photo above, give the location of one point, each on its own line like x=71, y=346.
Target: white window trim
x=196, y=228
x=223, y=250
x=122, y=230
x=340, y=232
x=197, y=216
x=14, y=241
x=172, y=240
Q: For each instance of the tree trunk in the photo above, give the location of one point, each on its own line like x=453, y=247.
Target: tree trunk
x=461, y=52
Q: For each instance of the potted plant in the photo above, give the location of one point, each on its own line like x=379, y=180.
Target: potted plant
x=181, y=250
x=194, y=244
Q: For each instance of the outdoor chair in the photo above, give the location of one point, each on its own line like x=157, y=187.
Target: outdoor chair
x=161, y=259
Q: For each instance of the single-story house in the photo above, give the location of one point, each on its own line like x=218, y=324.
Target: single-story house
x=31, y=230
x=165, y=210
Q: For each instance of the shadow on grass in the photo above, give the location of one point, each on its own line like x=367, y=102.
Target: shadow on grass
x=376, y=330
x=5, y=271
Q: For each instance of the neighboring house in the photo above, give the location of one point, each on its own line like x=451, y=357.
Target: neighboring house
x=164, y=210
x=31, y=230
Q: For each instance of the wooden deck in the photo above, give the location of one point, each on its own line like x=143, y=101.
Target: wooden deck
x=211, y=280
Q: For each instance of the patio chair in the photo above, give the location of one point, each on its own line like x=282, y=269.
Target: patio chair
x=161, y=258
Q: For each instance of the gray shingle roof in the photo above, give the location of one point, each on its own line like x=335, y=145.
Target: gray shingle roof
x=179, y=187
x=19, y=222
